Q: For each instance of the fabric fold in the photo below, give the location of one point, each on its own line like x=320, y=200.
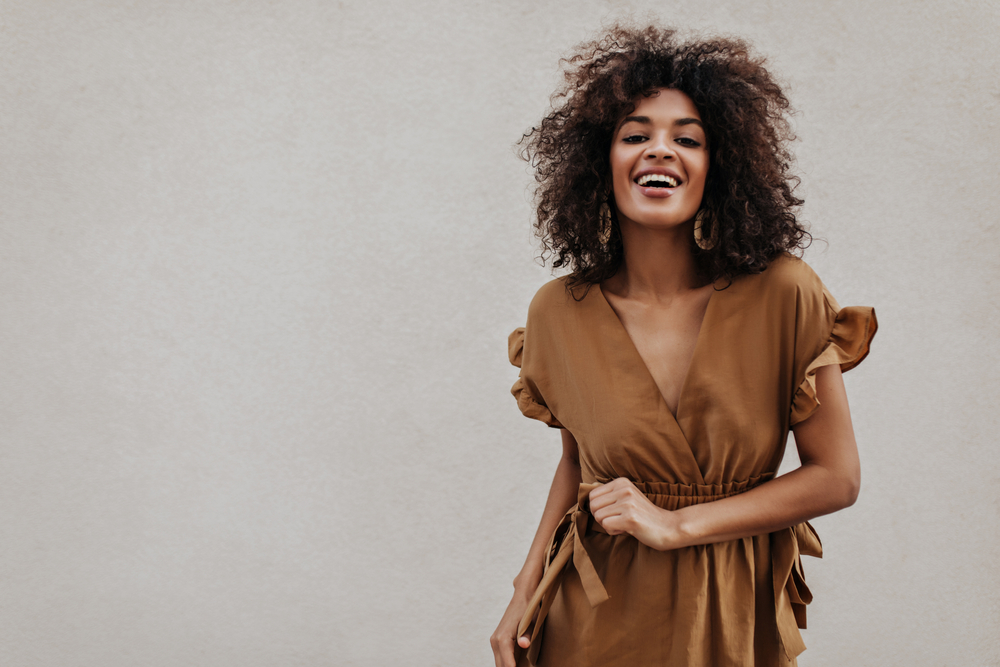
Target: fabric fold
x=515, y=346
x=791, y=595
x=849, y=343
x=527, y=401
x=567, y=542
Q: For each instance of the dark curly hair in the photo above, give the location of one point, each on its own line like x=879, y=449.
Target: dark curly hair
x=749, y=202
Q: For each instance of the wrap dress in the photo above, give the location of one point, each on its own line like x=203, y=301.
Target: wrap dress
x=612, y=601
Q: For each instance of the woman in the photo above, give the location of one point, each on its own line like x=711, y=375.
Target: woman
x=675, y=358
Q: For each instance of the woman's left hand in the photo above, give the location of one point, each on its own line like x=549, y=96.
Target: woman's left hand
x=621, y=508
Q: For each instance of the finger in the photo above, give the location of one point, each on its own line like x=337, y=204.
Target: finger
x=609, y=496
x=603, y=515
x=601, y=512
x=495, y=643
x=617, y=484
x=524, y=641
x=600, y=502
x=608, y=487
x=615, y=525
x=608, y=500
x=609, y=524
x=597, y=492
x=507, y=653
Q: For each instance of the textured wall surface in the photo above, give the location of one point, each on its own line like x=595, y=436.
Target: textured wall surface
x=258, y=263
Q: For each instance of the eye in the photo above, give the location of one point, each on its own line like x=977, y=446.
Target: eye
x=688, y=141
x=634, y=138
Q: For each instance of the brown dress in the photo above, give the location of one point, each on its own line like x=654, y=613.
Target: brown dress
x=609, y=600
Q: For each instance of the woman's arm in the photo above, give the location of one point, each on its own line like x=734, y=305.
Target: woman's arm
x=827, y=480
x=562, y=496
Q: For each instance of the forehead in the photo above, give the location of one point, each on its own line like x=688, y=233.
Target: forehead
x=667, y=104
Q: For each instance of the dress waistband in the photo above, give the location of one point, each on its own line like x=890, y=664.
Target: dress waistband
x=673, y=496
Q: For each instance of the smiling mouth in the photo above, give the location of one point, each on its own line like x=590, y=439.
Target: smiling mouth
x=657, y=181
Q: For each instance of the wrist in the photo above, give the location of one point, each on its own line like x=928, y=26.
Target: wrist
x=688, y=526
x=527, y=581
x=679, y=529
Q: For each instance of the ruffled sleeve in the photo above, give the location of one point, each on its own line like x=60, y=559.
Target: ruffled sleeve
x=827, y=334
x=529, y=399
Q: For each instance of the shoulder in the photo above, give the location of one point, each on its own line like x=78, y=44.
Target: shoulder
x=550, y=297
x=789, y=274
x=557, y=315
x=788, y=285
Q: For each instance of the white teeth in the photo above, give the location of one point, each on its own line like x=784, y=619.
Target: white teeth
x=670, y=181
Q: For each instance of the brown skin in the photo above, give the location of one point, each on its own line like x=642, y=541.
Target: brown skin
x=749, y=195
x=662, y=134
x=660, y=295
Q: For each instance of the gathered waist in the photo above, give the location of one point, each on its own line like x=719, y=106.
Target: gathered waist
x=674, y=496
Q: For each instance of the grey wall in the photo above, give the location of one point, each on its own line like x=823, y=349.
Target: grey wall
x=258, y=262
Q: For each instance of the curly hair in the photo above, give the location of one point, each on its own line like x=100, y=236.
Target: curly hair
x=749, y=202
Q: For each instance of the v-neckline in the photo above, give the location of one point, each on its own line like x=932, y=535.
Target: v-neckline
x=642, y=362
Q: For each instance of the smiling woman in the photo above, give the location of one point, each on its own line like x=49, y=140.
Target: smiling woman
x=675, y=357
x=659, y=161
x=659, y=164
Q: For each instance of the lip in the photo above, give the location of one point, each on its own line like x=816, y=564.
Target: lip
x=657, y=193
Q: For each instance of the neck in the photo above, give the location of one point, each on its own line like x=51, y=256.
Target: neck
x=658, y=263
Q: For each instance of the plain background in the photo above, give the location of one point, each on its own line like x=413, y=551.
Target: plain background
x=258, y=264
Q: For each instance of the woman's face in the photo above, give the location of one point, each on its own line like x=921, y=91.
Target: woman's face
x=659, y=161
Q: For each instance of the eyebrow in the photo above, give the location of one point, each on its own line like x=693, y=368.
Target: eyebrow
x=646, y=121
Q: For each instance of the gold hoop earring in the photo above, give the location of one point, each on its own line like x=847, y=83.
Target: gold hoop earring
x=604, y=235
x=703, y=243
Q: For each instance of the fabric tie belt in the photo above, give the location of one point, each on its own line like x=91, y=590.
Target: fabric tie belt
x=568, y=542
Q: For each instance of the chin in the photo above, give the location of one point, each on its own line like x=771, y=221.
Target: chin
x=661, y=221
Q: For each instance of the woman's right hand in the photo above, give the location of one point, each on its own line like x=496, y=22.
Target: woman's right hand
x=502, y=639
x=562, y=495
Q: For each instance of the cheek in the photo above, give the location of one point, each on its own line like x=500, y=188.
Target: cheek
x=701, y=173
x=618, y=169
x=619, y=177
x=705, y=166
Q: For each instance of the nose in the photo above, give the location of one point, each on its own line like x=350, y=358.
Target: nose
x=660, y=147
